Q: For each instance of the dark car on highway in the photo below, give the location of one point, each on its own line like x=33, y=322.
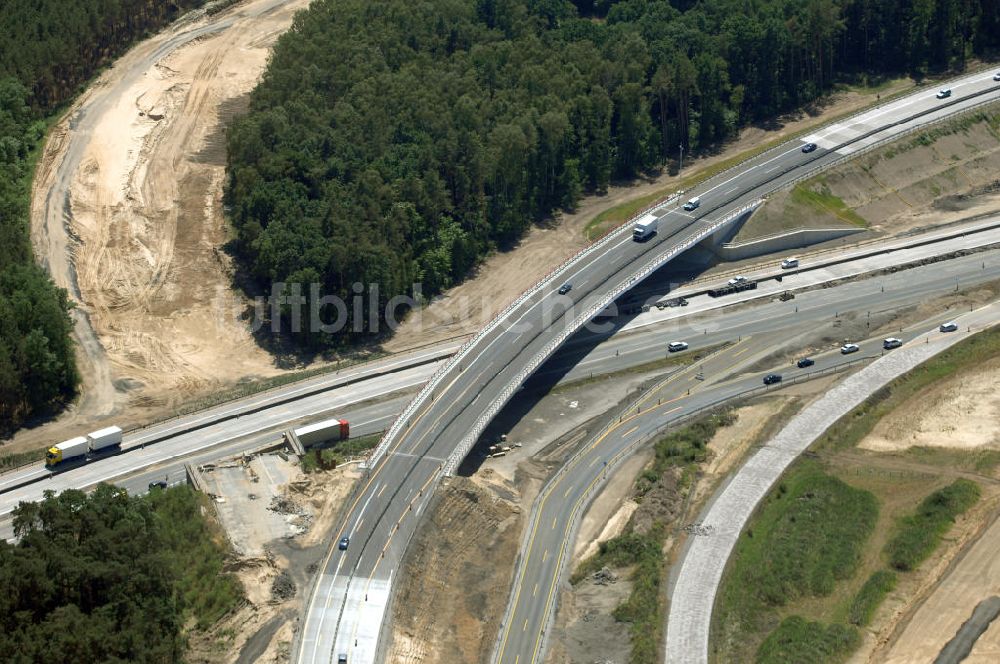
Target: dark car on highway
x=565, y=288
x=771, y=379
x=344, y=543
x=808, y=147
x=157, y=485
x=805, y=362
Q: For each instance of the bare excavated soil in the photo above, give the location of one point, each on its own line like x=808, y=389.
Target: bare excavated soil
x=127, y=215
x=466, y=536
x=944, y=175
x=961, y=412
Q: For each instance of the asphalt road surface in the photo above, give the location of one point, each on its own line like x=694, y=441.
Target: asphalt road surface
x=346, y=609
x=550, y=535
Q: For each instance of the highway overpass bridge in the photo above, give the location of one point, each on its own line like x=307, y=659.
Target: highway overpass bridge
x=346, y=610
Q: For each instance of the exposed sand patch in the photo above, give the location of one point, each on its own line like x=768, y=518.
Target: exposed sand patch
x=729, y=444
x=135, y=171
x=930, y=604
x=610, y=511
x=962, y=412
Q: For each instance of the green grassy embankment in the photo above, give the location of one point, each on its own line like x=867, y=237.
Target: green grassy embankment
x=680, y=451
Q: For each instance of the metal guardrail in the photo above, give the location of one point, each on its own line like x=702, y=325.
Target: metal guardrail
x=456, y=360
x=480, y=425
x=595, y=488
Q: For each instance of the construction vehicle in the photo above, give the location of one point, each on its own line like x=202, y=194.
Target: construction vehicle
x=731, y=288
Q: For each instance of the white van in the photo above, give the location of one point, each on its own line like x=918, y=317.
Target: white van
x=692, y=204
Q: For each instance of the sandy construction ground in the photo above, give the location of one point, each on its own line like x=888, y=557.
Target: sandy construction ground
x=975, y=577
x=126, y=213
x=962, y=412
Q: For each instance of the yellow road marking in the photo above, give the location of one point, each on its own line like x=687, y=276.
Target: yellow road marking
x=630, y=430
x=535, y=591
x=573, y=462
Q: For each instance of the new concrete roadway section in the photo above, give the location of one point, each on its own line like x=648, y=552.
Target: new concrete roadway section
x=547, y=547
x=347, y=606
x=705, y=558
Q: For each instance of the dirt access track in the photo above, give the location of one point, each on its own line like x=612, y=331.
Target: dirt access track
x=127, y=216
x=126, y=213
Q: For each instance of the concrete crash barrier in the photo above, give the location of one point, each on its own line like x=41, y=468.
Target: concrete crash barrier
x=194, y=478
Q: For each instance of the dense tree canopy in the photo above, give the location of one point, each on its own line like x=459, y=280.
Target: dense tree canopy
x=109, y=577
x=48, y=49
x=398, y=141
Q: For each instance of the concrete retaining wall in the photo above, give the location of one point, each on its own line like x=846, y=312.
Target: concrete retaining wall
x=780, y=242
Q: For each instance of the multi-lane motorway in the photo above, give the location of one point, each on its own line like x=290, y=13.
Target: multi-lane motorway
x=719, y=378
x=348, y=604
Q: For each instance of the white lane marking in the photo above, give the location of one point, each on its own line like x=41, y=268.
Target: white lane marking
x=360, y=514
x=747, y=172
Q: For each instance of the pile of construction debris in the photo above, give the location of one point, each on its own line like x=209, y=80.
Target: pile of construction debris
x=604, y=576
x=282, y=588
x=296, y=516
x=285, y=505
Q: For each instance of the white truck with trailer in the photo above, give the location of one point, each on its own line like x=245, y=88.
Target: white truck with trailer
x=645, y=227
x=96, y=444
x=326, y=431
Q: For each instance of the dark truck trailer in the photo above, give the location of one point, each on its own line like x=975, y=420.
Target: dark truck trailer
x=732, y=288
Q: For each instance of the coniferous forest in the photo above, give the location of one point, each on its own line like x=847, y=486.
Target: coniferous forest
x=109, y=577
x=48, y=50
x=399, y=141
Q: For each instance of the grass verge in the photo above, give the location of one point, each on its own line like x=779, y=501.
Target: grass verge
x=643, y=552
x=917, y=535
x=799, y=640
x=878, y=585
x=807, y=535
x=825, y=202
